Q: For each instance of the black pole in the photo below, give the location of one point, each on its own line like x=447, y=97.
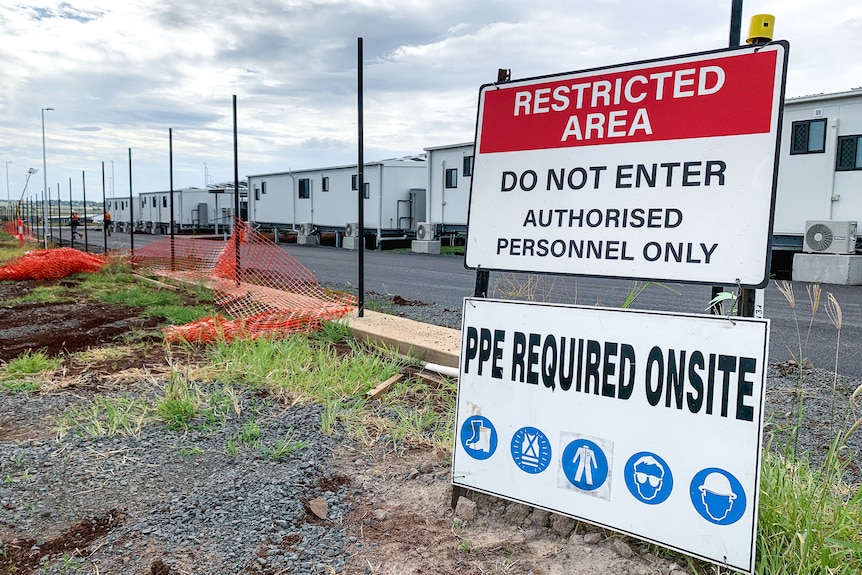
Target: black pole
x=131, y=208
x=735, y=23
x=70, y=213
x=171, y=165
x=735, y=27
x=745, y=306
x=237, y=222
x=86, y=237
x=59, y=217
x=360, y=192
x=48, y=223
x=483, y=277
x=104, y=211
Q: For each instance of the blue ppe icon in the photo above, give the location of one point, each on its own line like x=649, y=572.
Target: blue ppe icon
x=585, y=464
x=531, y=450
x=717, y=496
x=478, y=437
x=648, y=478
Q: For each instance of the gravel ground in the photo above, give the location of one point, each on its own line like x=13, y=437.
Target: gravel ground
x=179, y=495
x=174, y=502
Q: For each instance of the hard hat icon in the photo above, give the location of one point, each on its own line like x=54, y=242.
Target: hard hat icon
x=718, y=484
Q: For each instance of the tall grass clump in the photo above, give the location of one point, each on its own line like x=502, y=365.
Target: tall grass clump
x=306, y=367
x=810, y=519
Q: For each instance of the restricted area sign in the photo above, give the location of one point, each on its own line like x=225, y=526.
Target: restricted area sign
x=662, y=170
x=643, y=422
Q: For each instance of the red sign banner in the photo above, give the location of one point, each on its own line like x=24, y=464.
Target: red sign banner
x=722, y=96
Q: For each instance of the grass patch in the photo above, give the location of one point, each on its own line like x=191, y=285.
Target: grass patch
x=179, y=314
x=249, y=434
x=306, y=368
x=31, y=363
x=42, y=294
x=19, y=385
x=452, y=250
x=9, y=248
x=809, y=519
x=106, y=416
x=284, y=448
x=412, y=413
x=180, y=403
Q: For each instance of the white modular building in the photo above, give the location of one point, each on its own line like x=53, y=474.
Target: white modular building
x=325, y=198
x=120, y=209
x=195, y=209
x=450, y=170
x=820, y=169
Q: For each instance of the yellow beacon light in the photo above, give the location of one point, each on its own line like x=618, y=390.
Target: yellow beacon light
x=761, y=28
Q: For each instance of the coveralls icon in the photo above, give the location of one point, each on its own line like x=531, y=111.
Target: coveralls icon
x=585, y=465
x=717, y=495
x=649, y=476
x=481, y=439
x=585, y=458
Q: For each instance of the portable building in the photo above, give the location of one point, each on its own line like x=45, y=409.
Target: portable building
x=450, y=170
x=209, y=209
x=326, y=197
x=820, y=169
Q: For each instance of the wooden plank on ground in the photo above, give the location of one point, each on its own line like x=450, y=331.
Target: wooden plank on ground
x=382, y=387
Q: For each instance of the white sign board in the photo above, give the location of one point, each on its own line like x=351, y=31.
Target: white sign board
x=643, y=422
x=661, y=170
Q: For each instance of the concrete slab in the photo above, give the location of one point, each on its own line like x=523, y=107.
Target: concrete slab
x=307, y=240
x=828, y=269
x=431, y=343
x=425, y=246
x=350, y=243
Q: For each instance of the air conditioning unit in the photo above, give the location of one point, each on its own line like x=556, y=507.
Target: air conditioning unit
x=351, y=230
x=829, y=237
x=306, y=229
x=425, y=231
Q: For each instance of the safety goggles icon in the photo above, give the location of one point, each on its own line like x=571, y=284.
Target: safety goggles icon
x=642, y=478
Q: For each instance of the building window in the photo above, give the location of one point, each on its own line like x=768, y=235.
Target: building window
x=154, y=201
x=468, y=166
x=354, y=182
x=263, y=188
x=256, y=193
x=366, y=190
x=143, y=203
x=452, y=178
x=164, y=201
x=324, y=183
x=808, y=137
x=304, y=188
x=849, y=155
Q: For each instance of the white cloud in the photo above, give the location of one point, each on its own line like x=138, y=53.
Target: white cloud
x=120, y=74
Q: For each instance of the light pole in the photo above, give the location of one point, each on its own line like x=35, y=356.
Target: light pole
x=45, y=176
x=8, y=198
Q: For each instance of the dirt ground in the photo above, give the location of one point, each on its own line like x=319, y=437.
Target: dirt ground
x=403, y=521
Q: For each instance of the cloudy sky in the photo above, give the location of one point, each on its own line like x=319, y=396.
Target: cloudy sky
x=121, y=73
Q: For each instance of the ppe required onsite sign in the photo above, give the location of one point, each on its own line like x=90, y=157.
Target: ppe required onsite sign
x=642, y=422
x=663, y=170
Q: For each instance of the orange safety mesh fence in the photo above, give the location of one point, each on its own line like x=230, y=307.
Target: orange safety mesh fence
x=52, y=264
x=266, y=290
x=11, y=228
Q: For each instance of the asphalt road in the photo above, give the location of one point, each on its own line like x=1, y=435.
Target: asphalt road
x=445, y=281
